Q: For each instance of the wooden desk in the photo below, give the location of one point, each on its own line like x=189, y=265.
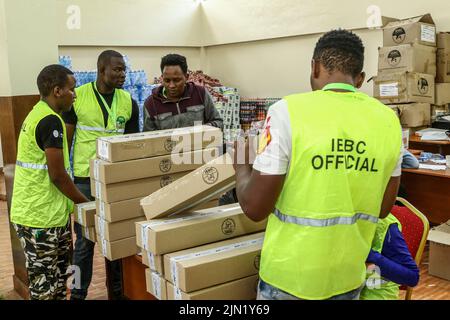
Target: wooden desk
x=429, y=191
x=441, y=147
x=133, y=275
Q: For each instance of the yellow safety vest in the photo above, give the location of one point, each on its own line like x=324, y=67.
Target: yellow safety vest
x=90, y=123
x=345, y=147
x=36, y=201
x=387, y=290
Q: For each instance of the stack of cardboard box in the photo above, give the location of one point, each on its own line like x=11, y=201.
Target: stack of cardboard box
x=84, y=215
x=129, y=167
x=407, y=69
x=206, y=254
x=443, y=75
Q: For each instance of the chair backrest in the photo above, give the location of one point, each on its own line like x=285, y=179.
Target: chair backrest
x=415, y=227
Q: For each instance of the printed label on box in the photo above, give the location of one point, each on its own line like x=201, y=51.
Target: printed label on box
x=98, y=190
x=103, y=149
x=389, y=90
x=80, y=215
x=428, y=33
x=156, y=281
x=102, y=210
x=96, y=169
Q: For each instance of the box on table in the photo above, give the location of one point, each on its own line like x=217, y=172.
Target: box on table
x=156, y=284
x=405, y=87
x=84, y=213
x=413, y=114
x=411, y=57
x=132, y=189
x=154, y=262
x=419, y=29
x=241, y=289
x=213, y=264
x=197, y=187
x=157, y=143
x=190, y=230
x=439, y=260
x=112, y=231
x=117, y=249
x=107, y=172
x=89, y=233
x=442, y=94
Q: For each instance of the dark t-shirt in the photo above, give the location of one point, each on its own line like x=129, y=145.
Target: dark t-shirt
x=49, y=133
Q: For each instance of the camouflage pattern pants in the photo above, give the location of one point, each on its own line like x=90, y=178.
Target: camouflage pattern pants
x=47, y=254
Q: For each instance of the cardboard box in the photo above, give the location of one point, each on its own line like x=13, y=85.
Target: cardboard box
x=197, y=187
x=442, y=94
x=215, y=263
x=242, y=289
x=84, y=213
x=132, y=189
x=158, y=143
x=439, y=260
x=443, y=66
x=117, y=249
x=414, y=114
x=407, y=58
x=190, y=230
x=443, y=40
x=419, y=29
x=154, y=262
x=89, y=233
x=406, y=87
x=156, y=284
x=113, y=231
x=121, y=210
x=107, y=172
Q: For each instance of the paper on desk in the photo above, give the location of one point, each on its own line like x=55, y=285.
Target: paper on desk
x=443, y=161
x=432, y=167
x=431, y=136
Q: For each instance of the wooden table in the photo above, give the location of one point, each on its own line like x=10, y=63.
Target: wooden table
x=441, y=147
x=133, y=276
x=429, y=191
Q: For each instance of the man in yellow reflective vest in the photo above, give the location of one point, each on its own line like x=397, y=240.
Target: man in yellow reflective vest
x=328, y=167
x=44, y=193
x=102, y=108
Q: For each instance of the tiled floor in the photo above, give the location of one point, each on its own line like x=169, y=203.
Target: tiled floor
x=429, y=288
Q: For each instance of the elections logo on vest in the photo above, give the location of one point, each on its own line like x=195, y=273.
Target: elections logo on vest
x=120, y=122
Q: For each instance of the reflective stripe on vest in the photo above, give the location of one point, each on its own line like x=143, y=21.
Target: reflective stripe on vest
x=86, y=128
x=324, y=222
x=34, y=166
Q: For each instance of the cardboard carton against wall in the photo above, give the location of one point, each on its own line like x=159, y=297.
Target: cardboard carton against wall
x=197, y=187
x=107, y=172
x=419, y=29
x=439, y=260
x=406, y=87
x=113, y=231
x=157, y=143
x=184, y=231
x=89, y=233
x=443, y=66
x=156, y=284
x=117, y=249
x=153, y=261
x=127, y=190
x=241, y=289
x=442, y=94
x=407, y=57
x=215, y=263
x=413, y=114
x=84, y=213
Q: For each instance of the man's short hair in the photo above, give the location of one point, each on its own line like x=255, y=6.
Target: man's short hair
x=105, y=58
x=174, y=59
x=340, y=50
x=52, y=76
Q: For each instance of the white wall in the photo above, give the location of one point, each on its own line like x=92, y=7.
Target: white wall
x=1, y=153
x=147, y=58
x=5, y=83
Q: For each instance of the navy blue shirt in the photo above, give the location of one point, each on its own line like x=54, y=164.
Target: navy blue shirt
x=395, y=262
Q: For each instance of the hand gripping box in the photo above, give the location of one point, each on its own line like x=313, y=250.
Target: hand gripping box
x=84, y=213
x=213, y=264
x=199, y=186
x=158, y=143
x=189, y=230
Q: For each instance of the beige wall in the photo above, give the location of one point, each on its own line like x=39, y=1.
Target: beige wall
x=5, y=84
x=147, y=58
x=132, y=23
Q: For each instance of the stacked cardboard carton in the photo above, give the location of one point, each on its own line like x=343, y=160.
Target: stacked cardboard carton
x=407, y=69
x=205, y=254
x=443, y=75
x=130, y=167
x=84, y=215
